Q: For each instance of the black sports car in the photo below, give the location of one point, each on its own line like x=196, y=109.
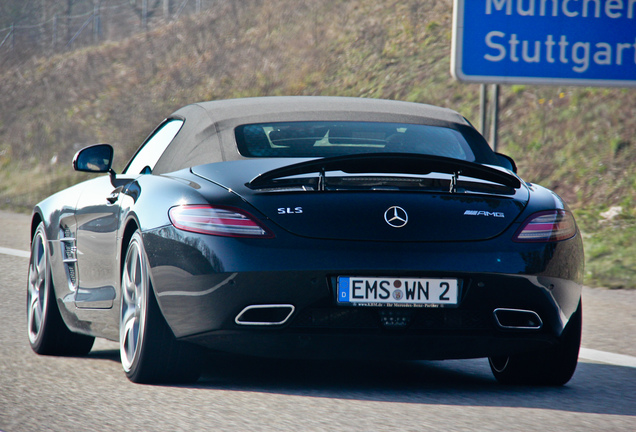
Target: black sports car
x=308, y=227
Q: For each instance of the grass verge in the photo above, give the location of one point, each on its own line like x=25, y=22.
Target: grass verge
x=609, y=237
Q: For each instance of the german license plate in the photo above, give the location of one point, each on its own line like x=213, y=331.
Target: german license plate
x=380, y=291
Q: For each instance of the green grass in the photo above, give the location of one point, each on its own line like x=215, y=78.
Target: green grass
x=610, y=248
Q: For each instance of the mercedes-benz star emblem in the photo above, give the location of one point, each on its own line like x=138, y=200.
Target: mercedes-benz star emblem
x=396, y=217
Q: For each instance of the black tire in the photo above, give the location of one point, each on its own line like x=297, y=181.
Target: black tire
x=553, y=366
x=48, y=334
x=149, y=351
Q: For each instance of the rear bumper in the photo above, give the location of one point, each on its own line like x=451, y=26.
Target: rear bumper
x=205, y=282
x=361, y=346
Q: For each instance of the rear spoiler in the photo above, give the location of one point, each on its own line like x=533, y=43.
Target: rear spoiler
x=390, y=163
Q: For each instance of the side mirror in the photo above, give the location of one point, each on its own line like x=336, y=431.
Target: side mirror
x=507, y=162
x=95, y=159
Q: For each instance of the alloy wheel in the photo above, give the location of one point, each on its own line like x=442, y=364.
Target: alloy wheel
x=38, y=286
x=134, y=287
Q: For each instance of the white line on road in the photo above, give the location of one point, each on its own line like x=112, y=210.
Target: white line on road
x=585, y=353
x=14, y=252
x=607, y=357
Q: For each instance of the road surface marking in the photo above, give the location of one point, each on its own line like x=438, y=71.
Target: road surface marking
x=14, y=252
x=607, y=357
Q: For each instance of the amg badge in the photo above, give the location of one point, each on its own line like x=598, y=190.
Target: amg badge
x=483, y=213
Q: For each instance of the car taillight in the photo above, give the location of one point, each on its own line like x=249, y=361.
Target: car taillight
x=217, y=220
x=548, y=226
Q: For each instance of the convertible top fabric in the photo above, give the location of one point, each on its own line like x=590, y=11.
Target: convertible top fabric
x=208, y=132
x=290, y=108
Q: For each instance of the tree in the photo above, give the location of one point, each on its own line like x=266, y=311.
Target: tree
x=145, y=9
x=167, y=5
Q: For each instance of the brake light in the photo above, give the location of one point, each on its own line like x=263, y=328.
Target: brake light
x=217, y=220
x=548, y=226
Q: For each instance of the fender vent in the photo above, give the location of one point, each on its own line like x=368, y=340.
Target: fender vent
x=69, y=255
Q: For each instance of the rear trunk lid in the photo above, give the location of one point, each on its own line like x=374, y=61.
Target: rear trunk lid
x=377, y=197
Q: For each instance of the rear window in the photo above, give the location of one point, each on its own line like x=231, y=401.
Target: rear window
x=324, y=139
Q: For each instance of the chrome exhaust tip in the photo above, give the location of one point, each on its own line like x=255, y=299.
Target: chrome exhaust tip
x=517, y=319
x=265, y=315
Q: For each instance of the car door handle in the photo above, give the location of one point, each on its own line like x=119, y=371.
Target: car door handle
x=114, y=196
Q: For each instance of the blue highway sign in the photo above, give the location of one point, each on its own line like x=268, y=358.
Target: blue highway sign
x=566, y=42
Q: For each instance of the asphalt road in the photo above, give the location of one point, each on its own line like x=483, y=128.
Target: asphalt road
x=93, y=394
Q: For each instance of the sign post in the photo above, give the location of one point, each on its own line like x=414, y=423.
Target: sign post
x=552, y=42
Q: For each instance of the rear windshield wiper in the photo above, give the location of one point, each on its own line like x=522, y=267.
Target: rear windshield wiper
x=387, y=163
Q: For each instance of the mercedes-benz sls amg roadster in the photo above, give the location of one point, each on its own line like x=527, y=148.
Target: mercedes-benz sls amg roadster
x=308, y=227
